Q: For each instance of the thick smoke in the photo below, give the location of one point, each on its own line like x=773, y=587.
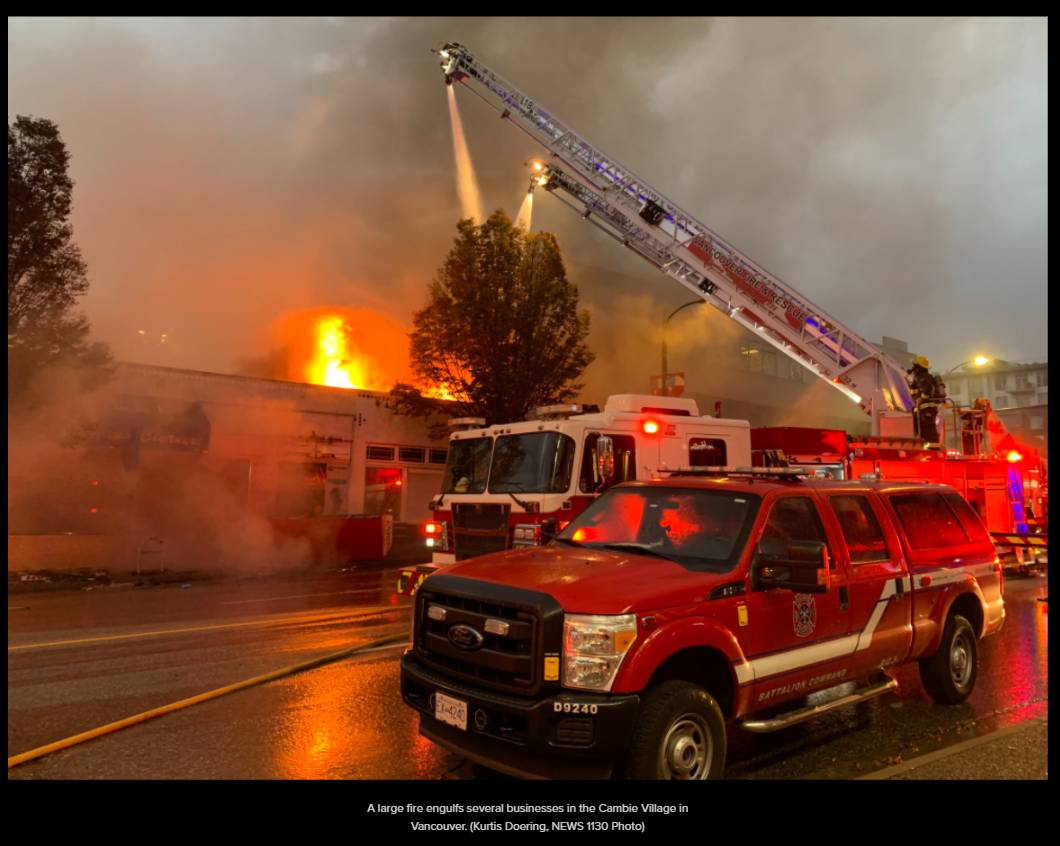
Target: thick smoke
x=232, y=171
x=206, y=510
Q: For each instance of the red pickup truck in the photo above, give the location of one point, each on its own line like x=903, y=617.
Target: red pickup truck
x=669, y=609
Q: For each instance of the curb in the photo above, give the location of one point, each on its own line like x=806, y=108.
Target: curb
x=931, y=757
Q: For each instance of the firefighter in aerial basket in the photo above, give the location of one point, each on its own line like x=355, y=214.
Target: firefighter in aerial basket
x=928, y=392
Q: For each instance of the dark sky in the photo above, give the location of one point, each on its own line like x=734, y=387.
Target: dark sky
x=894, y=171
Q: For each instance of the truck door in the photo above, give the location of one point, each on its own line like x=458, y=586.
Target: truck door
x=879, y=589
x=797, y=642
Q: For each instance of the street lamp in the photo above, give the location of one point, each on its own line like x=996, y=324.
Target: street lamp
x=665, y=390
x=978, y=361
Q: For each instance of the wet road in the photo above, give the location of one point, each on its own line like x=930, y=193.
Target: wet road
x=345, y=720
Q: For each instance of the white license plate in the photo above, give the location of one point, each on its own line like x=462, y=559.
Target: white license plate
x=451, y=711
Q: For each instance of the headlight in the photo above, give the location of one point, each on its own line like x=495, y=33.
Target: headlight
x=594, y=648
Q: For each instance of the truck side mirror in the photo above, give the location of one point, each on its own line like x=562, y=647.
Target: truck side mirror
x=804, y=569
x=605, y=457
x=549, y=530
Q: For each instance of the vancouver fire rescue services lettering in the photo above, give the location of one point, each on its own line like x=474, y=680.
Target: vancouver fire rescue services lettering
x=747, y=281
x=804, y=614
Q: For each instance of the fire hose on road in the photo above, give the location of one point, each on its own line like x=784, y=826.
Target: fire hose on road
x=41, y=751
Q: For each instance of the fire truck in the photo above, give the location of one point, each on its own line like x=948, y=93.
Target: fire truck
x=471, y=517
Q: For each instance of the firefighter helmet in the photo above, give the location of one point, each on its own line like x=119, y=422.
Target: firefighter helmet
x=922, y=362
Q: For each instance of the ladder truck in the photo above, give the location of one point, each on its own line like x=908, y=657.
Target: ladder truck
x=640, y=217
x=482, y=510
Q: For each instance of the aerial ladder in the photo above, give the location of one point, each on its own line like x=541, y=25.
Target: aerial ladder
x=633, y=212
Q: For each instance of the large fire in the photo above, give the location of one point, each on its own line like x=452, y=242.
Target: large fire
x=335, y=366
x=348, y=348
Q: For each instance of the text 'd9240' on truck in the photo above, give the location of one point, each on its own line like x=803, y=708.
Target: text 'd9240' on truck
x=668, y=610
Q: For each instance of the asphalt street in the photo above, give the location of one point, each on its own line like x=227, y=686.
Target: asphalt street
x=79, y=660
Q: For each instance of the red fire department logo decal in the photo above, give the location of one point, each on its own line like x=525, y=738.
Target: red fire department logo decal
x=804, y=614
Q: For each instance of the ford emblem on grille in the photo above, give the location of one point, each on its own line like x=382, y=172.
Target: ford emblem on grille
x=465, y=637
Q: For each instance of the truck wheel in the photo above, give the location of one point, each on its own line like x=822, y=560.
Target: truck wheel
x=949, y=675
x=680, y=734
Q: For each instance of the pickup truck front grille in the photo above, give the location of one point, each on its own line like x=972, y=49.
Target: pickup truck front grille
x=502, y=662
x=511, y=662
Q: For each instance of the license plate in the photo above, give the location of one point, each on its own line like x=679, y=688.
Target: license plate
x=451, y=711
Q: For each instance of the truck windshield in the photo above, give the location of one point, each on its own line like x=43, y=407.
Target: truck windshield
x=467, y=466
x=541, y=462
x=698, y=529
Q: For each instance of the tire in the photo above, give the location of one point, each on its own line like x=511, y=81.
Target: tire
x=679, y=734
x=949, y=675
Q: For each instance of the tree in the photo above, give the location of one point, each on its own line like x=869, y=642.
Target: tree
x=45, y=272
x=502, y=332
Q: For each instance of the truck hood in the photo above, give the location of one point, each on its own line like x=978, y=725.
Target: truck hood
x=587, y=581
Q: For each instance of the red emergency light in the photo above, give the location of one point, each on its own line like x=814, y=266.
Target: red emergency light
x=650, y=427
x=1014, y=456
x=432, y=528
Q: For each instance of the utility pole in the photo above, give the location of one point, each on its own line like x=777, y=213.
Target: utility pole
x=665, y=390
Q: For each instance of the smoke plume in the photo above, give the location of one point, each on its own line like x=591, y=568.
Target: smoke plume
x=229, y=172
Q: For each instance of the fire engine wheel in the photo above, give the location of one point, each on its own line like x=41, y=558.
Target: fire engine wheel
x=949, y=675
x=680, y=734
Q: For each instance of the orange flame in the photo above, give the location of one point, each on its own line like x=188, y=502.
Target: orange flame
x=335, y=365
x=348, y=348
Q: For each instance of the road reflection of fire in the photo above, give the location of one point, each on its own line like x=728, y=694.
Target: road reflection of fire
x=341, y=723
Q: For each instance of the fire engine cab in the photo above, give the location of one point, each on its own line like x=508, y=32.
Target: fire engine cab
x=669, y=608
x=502, y=483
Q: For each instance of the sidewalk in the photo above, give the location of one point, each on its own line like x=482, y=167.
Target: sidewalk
x=1019, y=752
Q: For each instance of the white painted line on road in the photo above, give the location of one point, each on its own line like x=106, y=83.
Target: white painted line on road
x=366, y=612
x=956, y=749
x=301, y=596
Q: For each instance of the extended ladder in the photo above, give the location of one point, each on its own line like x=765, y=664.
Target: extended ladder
x=612, y=197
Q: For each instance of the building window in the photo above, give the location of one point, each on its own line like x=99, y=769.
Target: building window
x=382, y=491
x=1037, y=422
x=1001, y=401
x=754, y=361
x=412, y=455
x=955, y=387
x=1023, y=402
x=999, y=382
x=1023, y=382
x=380, y=453
x=975, y=386
x=1043, y=378
x=438, y=456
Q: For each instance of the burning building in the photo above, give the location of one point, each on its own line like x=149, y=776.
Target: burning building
x=213, y=464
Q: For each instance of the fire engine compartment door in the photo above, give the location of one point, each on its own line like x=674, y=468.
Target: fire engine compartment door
x=879, y=596
x=797, y=643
